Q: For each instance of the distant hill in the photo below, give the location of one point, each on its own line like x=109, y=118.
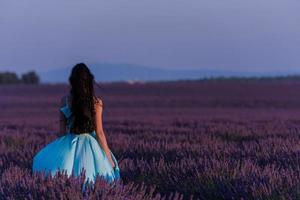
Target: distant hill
x=108, y=72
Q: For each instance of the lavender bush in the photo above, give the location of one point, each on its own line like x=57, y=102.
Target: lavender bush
x=189, y=140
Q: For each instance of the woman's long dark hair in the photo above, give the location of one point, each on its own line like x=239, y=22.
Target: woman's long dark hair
x=82, y=99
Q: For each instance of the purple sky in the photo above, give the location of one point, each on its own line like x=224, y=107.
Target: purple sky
x=251, y=35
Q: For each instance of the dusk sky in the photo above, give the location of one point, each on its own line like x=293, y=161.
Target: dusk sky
x=253, y=35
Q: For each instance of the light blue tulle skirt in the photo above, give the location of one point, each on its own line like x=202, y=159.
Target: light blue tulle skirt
x=73, y=153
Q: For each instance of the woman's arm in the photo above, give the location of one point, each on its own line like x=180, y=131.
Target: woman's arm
x=99, y=131
x=62, y=120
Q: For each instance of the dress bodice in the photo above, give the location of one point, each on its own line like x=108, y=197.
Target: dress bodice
x=66, y=110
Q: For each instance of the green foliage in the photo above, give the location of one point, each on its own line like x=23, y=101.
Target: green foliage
x=30, y=77
x=8, y=78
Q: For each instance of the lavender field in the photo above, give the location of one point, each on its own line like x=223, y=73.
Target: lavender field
x=180, y=140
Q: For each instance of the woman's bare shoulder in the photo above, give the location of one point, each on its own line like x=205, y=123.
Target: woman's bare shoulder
x=98, y=101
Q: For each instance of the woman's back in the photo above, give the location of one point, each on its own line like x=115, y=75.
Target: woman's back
x=67, y=117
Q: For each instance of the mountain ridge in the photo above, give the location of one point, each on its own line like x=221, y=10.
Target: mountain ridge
x=108, y=72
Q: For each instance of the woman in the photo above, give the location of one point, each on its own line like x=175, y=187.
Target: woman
x=83, y=145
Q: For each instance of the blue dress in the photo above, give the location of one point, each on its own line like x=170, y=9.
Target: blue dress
x=73, y=153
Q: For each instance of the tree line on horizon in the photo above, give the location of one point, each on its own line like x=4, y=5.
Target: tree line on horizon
x=30, y=77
